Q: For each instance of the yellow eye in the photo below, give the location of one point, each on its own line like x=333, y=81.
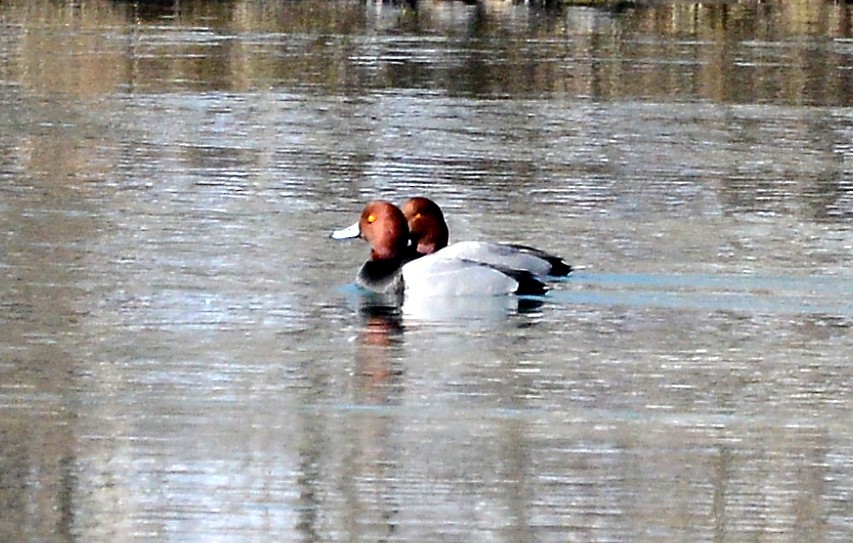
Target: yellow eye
x=371, y=218
x=418, y=216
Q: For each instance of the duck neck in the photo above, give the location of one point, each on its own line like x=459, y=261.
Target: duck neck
x=382, y=275
x=413, y=253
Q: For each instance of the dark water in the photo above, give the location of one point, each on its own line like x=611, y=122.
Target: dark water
x=184, y=358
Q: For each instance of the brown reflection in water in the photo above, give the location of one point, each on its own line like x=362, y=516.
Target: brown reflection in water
x=38, y=480
x=41, y=287
x=378, y=374
x=49, y=220
x=742, y=52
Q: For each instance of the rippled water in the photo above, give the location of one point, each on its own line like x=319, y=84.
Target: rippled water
x=184, y=356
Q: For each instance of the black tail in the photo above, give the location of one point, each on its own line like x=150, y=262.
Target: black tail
x=558, y=267
x=528, y=284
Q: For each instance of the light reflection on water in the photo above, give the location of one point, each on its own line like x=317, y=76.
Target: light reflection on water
x=184, y=357
x=827, y=295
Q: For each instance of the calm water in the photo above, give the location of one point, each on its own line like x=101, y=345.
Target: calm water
x=183, y=356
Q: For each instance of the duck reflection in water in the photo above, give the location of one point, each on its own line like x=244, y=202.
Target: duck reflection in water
x=380, y=335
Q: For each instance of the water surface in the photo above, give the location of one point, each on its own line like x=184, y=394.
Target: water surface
x=184, y=357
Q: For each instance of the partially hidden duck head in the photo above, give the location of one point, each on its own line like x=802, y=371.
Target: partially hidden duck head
x=428, y=230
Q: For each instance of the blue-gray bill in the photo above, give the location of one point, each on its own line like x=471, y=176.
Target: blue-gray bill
x=352, y=231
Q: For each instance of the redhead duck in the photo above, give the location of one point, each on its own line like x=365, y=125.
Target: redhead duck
x=429, y=234
x=389, y=270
